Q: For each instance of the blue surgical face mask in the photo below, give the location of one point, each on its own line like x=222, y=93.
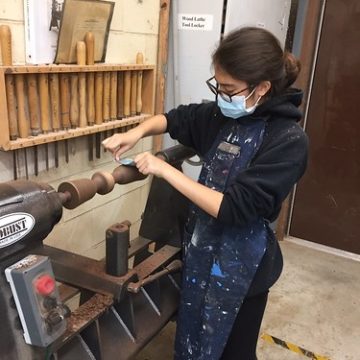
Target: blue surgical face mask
x=237, y=107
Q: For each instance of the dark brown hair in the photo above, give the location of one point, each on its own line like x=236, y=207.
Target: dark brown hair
x=253, y=55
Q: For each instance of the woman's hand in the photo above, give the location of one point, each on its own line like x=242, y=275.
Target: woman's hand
x=149, y=164
x=117, y=144
x=208, y=199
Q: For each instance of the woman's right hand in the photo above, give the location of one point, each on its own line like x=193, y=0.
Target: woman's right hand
x=117, y=144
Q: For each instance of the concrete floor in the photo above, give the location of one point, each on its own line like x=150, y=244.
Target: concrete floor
x=315, y=305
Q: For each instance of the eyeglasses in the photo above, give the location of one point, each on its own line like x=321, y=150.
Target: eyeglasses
x=225, y=96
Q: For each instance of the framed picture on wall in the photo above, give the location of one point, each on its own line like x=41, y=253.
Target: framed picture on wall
x=78, y=18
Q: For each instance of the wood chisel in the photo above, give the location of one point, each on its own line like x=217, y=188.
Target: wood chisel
x=65, y=108
x=90, y=60
x=23, y=123
x=120, y=95
x=32, y=91
x=133, y=93
x=44, y=111
x=6, y=53
x=127, y=93
x=55, y=110
x=139, y=60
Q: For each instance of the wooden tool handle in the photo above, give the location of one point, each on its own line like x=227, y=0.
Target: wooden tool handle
x=81, y=53
x=22, y=121
x=106, y=96
x=82, y=100
x=81, y=60
x=6, y=54
x=139, y=60
x=90, y=48
x=11, y=106
x=44, y=103
x=99, y=89
x=74, y=101
x=55, y=100
x=33, y=104
x=133, y=93
x=65, y=101
x=90, y=98
x=113, y=95
x=127, y=93
x=120, y=95
x=5, y=39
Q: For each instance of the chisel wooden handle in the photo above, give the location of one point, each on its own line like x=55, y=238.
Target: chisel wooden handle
x=106, y=96
x=90, y=48
x=139, y=60
x=5, y=39
x=44, y=103
x=133, y=93
x=65, y=101
x=55, y=101
x=81, y=60
x=20, y=95
x=127, y=93
x=113, y=95
x=74, y=101
x=32, y=91
x=99, y=89
x=6, y=54
x=120, y=95
x=11, y=106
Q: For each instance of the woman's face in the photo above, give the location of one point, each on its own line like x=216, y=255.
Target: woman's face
x=229, y=85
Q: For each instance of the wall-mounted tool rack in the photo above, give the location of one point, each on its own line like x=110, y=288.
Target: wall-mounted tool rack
x=37, y=102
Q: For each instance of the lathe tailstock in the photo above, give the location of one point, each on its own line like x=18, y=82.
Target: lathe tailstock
x=120, y=308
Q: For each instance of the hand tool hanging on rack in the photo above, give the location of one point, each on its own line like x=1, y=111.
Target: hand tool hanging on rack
x=23, y=122
x=90, y=43
x=120, y=95
x=6, y=53
x=139, y=60
x=44, y=111
x=133, y=93
x=32, y=91
x=65, y=108
x=127, y=93
x=81, y=52
x=106, y=99
x=74, y=100
x=99, y=88
x=81, y=60
x=113, y=97
x=55, y=116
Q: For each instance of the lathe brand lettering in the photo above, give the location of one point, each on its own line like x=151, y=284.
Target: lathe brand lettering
x=14, y=227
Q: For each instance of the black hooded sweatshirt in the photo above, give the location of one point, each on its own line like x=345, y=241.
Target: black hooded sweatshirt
x=259, y=189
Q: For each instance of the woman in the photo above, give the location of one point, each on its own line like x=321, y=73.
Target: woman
x=254, y=151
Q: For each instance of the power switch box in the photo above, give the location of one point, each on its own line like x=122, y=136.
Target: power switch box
x=42, y=315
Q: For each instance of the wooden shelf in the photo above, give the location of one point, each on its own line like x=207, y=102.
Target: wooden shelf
x=20, y=103
x=31, y=69
x=71, y=133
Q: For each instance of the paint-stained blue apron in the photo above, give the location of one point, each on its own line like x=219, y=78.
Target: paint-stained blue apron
x=220, y=261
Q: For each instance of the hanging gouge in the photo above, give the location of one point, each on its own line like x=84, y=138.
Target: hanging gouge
x=6, y=53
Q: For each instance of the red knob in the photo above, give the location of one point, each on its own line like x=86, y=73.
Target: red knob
x=45, y=284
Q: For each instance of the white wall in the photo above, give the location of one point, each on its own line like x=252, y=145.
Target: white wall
x=272, y=15
x=134, y=28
